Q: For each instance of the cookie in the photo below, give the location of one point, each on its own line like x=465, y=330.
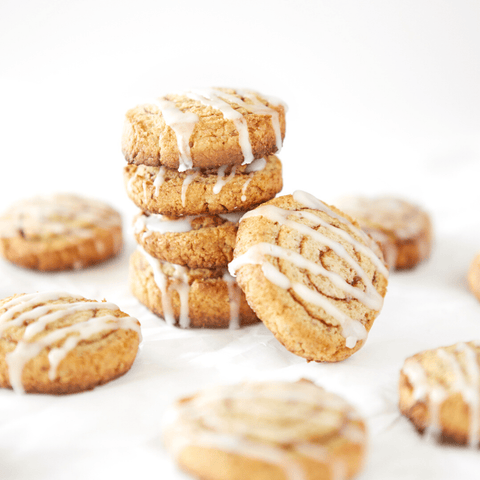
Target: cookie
x=311, y=275
x=195, y=241
x=267, y=431
x=474, y=276
x=439, y=393
x=403, y=230
x=204, y=128
x=186, y=297
x=60, y=232
x=196, y=192
x=59, y=343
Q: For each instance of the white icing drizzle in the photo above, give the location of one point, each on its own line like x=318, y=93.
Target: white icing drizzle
x=59, y=214
x=40, y=317
x=234, y=300
x=221, y=180
x=182, y=286
x=310, y=201
x=213, y=98
x=162, y=224
x=188, y=180
x=206, y=421
x=183, y=289
x=467, y=383
x=161, y=281
x=352, y=329
x=258, y=108
x=159, y=179
x=183, y=124
x=255, y=166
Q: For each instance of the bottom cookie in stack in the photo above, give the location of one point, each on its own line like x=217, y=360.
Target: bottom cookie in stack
x=189, y=297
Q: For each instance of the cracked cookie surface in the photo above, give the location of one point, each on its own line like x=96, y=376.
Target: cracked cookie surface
x=204, y=128
x=267, y=431
x=59, y=343
x=311, y=275
x=60, y=232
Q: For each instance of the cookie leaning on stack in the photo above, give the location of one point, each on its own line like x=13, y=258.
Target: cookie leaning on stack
x=196, y=162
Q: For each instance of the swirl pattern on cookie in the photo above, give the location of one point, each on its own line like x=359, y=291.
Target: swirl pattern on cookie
x=60, y=231
x=274, y=430
x=54, y=342
x=196, y=192
x=204, y=128
x=311, y=275
x=440, y=393
x=188, y=297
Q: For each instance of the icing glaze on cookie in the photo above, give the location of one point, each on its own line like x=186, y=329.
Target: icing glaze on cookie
x=37, y=315
x=257, y=420
x=183, y=124
x=58, y=214
x=179, y=280
x=352, y=329
x=463, y=377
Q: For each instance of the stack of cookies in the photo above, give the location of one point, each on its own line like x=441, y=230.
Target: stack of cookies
x=197, y=161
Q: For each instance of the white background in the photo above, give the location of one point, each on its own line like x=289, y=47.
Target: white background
x=383, y=97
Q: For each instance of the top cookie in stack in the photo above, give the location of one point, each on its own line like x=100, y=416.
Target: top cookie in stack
x=196, y=162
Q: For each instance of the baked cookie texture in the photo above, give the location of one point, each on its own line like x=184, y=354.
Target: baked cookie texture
x=474, y=276
x=196, y=162
x=60, y=232
x=266, y=431
x=311, y=275
x=204, y=128
x=59, y=343
x=195, y=241
x=402, y=229
x=197, y=192
x=439, y=392
x=188, y=297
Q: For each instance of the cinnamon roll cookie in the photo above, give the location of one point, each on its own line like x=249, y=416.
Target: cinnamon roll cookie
x=204, y=128
x=197, y=192
x=195, y=241
x=266, y=431
x=440, y=393
x=188, y=297
x=314, y=278
x=59, y=232
x=403, y=230
x=59, y=343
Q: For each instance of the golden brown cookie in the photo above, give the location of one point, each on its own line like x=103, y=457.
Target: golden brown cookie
x=195, y=192
x=311, y=275
x=474, y=276
x=266, y=431
x=58, y=343
x=188, y=298
x=402, y=229
x=204, y=128
x=440, y=393
x=59, y=232
x=195, y=241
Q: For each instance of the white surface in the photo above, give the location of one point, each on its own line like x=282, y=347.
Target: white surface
x=383, y=98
